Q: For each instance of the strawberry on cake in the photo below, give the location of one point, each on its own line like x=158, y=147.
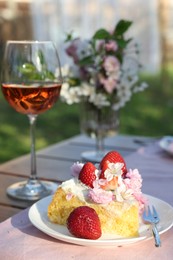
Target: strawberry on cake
x=110, y=190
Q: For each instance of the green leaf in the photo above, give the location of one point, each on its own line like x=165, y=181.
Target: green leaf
x=69, y=37
x=28, y=71
x=41, y=57
x=122, y=26
x=102, y=34
x=86, y=61
x=119, y=57
x=49, y=75
x=122, y=43
x=74, y=82
x=27, y=68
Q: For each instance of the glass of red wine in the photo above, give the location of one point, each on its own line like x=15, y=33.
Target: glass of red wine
x=31, y=83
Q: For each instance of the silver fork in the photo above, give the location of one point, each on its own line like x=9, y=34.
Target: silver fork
x=152, y=217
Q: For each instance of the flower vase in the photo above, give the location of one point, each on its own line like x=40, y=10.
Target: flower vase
x=98, y=123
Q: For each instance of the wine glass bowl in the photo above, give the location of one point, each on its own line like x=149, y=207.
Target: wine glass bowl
x=31, y=82
x=30, y=100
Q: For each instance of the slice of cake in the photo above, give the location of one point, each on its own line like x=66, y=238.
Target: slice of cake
x=110, y=189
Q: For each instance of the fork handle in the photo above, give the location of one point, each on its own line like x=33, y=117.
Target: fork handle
x=156, y=235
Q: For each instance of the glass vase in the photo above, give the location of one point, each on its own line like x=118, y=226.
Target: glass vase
x=98, y=123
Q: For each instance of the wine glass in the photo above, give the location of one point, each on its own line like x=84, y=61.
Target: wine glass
x=31, y=82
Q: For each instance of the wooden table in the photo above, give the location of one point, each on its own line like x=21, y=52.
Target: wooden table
x=20, y=239
x=53, y=163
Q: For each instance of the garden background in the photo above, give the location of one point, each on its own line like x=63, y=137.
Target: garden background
x=149, y=113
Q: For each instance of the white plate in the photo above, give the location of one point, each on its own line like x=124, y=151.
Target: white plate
x=165, y=143
x=38, y=217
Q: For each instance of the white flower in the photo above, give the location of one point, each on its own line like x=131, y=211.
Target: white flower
x=99, y=100
x=114, y=169
x=70, y=95
x=141, y=87
x=65, y=70
x=86, y=90
x=122, y=192
x=83, y=49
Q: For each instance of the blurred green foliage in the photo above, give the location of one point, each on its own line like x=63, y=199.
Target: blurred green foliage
x=149, y=113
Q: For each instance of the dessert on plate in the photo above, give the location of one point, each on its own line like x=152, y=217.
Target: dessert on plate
x=111, y=190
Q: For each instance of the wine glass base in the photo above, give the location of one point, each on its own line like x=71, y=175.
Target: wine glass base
x=31, y=191
x=93, y=156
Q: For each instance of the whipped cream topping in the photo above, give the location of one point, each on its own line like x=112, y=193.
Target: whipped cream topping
x=73, y=186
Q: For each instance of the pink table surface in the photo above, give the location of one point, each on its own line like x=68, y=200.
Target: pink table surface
x=19, y=239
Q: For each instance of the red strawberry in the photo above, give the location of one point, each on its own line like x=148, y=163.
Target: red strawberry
x=87, y=174
x=112, y=157
x=103, y=169
x=83, y=222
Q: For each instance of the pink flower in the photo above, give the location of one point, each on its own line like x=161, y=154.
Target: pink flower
x=69, y=196
x=112, y=70
x=142, y=200
x=100, y=196
x=72, y=50
x=111, y=46
x=109, y=84
x=133, y=180
x=76, y=168
x=111, y=65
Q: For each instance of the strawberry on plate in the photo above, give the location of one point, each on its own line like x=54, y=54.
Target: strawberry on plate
x=83, y=222
x=112, y=157
x=87, y=174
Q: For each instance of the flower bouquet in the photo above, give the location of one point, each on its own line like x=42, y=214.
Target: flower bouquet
x=103, y=77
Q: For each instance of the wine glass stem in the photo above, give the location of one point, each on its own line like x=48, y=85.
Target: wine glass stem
x=99, y=144
x=32, y=120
